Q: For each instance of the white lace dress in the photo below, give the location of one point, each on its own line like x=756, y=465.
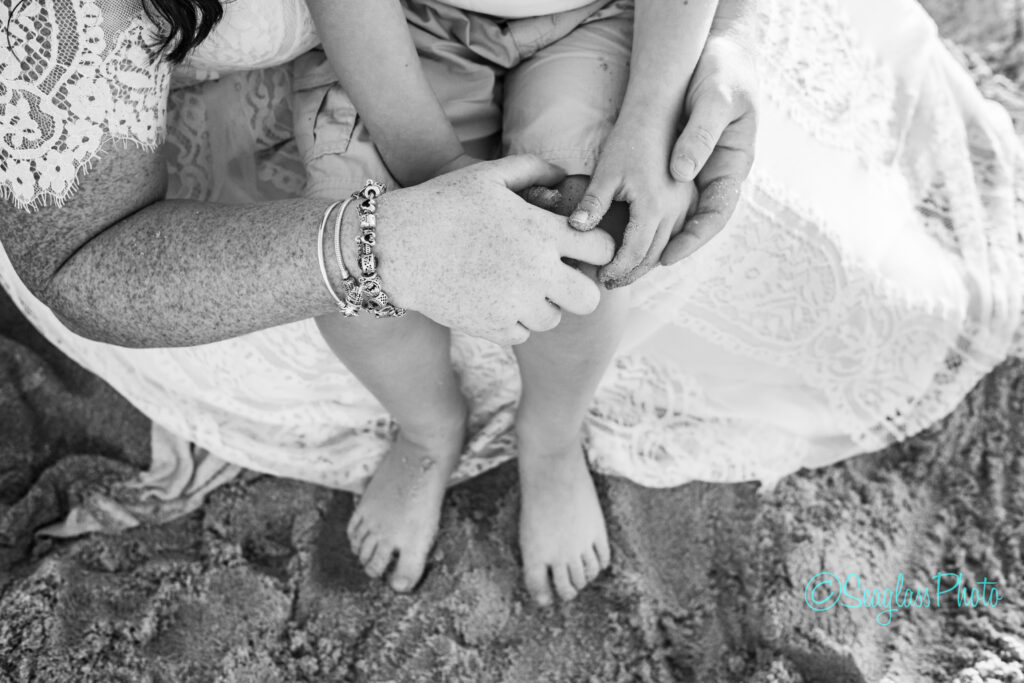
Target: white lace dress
x=872, y=275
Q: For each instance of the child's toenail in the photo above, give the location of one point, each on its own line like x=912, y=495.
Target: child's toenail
x=400, y=585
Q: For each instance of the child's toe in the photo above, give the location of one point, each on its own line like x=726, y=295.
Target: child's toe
x=357, y=537
x=591, y=565
x=367, y=548
x=409, y=569
x=604, y=553
x=380, y=560
x=537, y=583
x=563, y=584
x=578, y=574
x=354, y=526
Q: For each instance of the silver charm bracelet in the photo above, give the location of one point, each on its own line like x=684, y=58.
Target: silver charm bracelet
x=369, y=291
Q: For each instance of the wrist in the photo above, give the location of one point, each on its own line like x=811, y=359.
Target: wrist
x=388, y=247
x=641, y=122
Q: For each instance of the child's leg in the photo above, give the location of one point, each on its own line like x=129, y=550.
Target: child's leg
x=405, y=363
x=561, y=103
x=562, y=531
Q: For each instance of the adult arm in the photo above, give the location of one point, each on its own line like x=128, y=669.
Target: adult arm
x=716, y=147
x=118, y=264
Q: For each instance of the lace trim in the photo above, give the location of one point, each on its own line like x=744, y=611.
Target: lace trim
x=652, y=422
x=835, y=90
x=78, y=74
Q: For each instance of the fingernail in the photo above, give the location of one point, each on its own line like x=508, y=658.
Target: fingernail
x=684, y=168
x=579, y=218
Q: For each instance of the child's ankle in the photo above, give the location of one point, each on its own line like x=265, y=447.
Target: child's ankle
x=548, y=444
x=443, y=422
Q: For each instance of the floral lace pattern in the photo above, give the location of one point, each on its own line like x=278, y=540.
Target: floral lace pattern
x=285, y=29
x=93, y=77
x=854, y=299
x=813, y=67
x=232, y=139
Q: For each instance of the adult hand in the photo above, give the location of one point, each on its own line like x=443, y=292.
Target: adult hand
x=716, y=147
x=466, y=251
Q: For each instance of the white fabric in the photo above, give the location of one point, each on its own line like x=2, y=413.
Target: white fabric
x=871, y=276
x=252, y=35
x=61, y=98
x=517, y=9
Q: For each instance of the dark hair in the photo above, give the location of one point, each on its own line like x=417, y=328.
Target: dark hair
x=185, y=23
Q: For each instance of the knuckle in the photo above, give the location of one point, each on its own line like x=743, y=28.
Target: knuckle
x=592, y=202
x=639, y=238
x=743, y=96
x=632, y=256
x=724, y=94
x=527, y=160
x=702, y=138
x=648, y=264
x=753, y=115
x=754, y=127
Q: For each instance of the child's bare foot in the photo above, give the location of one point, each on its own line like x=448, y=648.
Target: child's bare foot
x=562, y=532
x=399, y=512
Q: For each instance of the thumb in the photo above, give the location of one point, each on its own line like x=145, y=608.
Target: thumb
x=522, y=171
x=711, y=115
x=594, y=203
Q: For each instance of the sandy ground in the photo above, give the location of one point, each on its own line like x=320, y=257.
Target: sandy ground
x=708, y=580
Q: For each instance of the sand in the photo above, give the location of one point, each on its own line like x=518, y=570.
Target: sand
x=708, y=582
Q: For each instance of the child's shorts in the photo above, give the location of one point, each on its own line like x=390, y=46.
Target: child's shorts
x=549, y=85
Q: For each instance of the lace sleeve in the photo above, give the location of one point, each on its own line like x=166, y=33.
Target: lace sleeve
x=73, y=74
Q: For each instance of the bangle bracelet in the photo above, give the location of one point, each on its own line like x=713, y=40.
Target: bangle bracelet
x=320, y=254
x=350, y=306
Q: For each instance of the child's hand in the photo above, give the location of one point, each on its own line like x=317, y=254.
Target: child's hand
x=633, y=168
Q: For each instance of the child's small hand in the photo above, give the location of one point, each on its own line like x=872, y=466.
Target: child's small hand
x=633, y=168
